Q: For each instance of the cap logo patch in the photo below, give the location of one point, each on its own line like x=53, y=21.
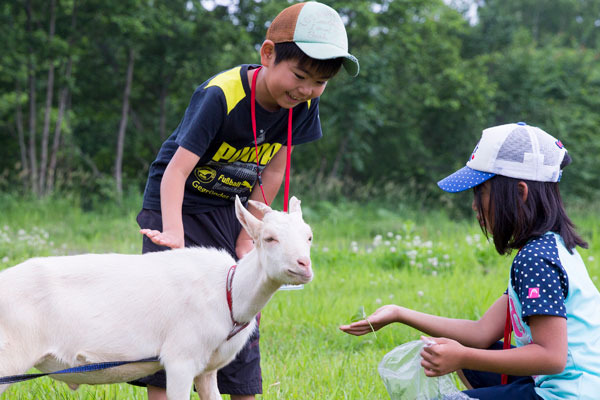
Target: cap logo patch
x=474, y=151
x=559, y=144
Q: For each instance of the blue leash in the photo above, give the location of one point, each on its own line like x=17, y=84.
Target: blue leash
x=83, y=368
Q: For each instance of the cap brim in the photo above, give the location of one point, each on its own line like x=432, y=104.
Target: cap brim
x=325, y=51
x=463, y=179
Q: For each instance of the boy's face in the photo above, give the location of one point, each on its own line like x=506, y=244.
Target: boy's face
x=288, y=83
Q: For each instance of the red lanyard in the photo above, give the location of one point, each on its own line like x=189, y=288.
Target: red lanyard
x=286, y=192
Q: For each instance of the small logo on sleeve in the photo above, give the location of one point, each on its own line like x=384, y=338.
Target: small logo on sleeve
x=534, y=293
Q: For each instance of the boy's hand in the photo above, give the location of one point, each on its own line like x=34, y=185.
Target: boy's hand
x=243, y=246
x=443, y=357
x=380, y=318
x=164, y=238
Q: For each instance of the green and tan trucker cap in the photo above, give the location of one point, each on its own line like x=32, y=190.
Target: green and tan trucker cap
x=317, y=29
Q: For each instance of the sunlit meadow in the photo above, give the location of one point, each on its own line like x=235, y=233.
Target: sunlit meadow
x=362, y=257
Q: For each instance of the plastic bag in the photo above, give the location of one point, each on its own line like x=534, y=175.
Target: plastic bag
x=405, y=379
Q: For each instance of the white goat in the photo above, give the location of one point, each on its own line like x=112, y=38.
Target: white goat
x=60, y=312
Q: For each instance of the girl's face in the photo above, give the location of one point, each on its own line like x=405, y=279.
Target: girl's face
x=483, y=215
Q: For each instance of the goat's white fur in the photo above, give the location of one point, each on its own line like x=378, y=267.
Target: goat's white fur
x=60, y=312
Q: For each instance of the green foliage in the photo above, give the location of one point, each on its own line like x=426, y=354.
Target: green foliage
x=430, y=81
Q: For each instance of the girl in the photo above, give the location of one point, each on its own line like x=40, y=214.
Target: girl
x=551, y=303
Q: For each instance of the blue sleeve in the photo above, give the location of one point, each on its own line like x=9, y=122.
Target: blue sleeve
x=202, y=120
x=540, y=281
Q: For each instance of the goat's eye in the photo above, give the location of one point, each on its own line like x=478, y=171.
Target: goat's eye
x=270, y=239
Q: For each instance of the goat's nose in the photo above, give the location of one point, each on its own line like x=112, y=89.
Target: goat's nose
x=304, y=262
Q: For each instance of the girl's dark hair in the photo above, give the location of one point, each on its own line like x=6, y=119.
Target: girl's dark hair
x=515, y=222
x=290, y=51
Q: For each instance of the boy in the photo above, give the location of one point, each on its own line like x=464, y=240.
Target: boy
x=212, y=155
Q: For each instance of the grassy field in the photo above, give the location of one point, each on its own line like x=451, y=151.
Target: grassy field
x=362, y=257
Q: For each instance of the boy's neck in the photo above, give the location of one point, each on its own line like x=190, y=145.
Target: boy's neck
x=262, y=94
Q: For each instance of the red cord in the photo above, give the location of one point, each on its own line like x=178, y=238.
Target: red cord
x=289, y=146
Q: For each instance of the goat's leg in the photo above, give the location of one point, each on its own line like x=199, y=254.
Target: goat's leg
x=14, y=362
x=206, y=386
x=180, y=376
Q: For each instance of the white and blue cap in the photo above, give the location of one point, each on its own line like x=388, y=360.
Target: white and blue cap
x=516, y=150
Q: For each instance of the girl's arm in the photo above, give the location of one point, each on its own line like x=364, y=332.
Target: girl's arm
x=272, y=176
x=172, y=188
x=480, y=334
x=545, y=356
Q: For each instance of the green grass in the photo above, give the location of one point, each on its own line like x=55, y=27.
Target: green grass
x=362, y=257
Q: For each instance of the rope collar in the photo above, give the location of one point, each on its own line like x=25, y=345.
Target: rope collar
x=237, y=326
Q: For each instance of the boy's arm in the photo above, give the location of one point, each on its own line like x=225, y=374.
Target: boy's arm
x=546, y=355
x=171, y=199
x=481, y=334
x=272, y=176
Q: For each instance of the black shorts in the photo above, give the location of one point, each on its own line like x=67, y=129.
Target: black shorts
x=216, y=228
x=487, y=385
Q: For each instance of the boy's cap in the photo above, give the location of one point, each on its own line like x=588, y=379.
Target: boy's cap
x=513, y=150
x=317, y=29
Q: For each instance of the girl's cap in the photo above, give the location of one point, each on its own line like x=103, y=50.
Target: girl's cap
x=513, y=150
x=317, y=29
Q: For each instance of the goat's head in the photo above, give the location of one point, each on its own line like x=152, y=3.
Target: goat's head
x=282, y=241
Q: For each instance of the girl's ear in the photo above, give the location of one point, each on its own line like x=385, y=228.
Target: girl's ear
x=267, y=53
x=523, y=190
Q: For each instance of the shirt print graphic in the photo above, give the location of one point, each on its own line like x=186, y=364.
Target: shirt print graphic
x=233, y=171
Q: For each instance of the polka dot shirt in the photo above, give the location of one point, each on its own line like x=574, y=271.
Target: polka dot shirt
x=539, y=279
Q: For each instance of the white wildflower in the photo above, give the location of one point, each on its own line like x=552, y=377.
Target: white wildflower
x=378, y=301
x=393, y=249
x=377, y=240
x=390, y=234
x=420, y=293
x=5, y=259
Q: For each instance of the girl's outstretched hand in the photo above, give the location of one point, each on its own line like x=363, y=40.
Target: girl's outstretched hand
x=380, y=318
x=441, y=358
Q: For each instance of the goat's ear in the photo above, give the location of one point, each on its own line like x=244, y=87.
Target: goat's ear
x=295, y=205
x=251, y=224
x=260, y=206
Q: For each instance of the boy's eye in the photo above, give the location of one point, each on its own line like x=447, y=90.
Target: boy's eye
x=298, y=76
